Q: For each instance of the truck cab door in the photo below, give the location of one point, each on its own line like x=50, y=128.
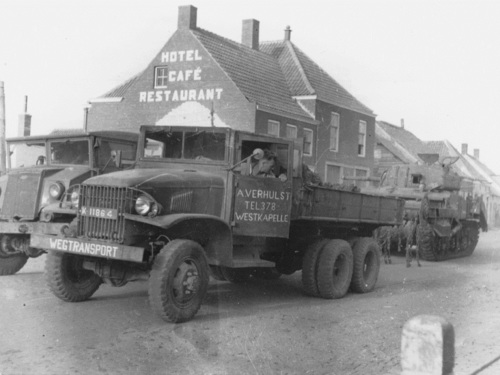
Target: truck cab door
x=262, y=205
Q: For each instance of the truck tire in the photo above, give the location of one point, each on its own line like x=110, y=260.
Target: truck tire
x=335, y=266
x=179, y=281
x=366, y=265
x=11, y=260
x=471, y=238
x=310, y=267
x=10, y=264
x=67, y=279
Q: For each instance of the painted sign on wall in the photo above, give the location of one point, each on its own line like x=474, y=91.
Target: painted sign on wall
x=180, y=78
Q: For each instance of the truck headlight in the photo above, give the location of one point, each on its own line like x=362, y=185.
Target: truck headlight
x=56, y=190
x=143, y=205
x=75, y=195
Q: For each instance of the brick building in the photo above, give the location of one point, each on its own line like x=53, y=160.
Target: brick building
x=202, y=79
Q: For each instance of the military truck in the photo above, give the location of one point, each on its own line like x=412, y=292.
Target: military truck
x=449, y=218
x=188, y=208
x=40, y=170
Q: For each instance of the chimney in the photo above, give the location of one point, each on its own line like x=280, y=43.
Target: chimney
x=476, y=153
x=288, y=33
x=187, y=17
x=24, y=122
x=250, y=34
x=402, y=123
x=464, y=148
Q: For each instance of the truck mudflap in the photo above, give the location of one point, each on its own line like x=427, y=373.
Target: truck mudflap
x=92, y=248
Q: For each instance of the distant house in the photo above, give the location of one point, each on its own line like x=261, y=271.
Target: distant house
x=395, y=145
x=201, y=79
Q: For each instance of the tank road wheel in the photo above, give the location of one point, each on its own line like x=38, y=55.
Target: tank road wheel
x=334, y=269
x=470, y=237
x=366, y=265
x=67, y=279
x=11, y=260
x=310, y=267
x=425, y=242
x=179, y=281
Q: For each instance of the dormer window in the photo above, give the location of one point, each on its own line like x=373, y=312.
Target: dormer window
x=161, y=77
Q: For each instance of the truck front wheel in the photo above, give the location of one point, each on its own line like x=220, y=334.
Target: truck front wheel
x=366, y=265
x=334, y=269
x=67, y=279
x=10, y=264
x=11, y=260
x=179, y=281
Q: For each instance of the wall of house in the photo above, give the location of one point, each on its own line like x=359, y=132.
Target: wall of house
x=345, y=160
x=195, y=92
x=261, y=126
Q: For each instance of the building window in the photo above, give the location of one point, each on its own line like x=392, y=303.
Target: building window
x=161, y=77
x=291, y=131
x=362, y=139
x=334, y=132
x=308, y=142
x=273, y=128
x=333, y=174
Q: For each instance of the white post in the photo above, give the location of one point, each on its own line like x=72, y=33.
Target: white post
x=427, y=346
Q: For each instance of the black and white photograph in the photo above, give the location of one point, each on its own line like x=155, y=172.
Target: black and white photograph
x=249, y=187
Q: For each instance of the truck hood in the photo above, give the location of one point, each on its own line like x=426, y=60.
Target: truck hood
x=25, y=191
x=157, y=178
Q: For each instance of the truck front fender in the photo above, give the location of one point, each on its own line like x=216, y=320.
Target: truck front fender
x=213, y=233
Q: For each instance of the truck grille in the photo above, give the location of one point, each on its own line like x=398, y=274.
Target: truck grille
x=105, y=197
x=21, y=196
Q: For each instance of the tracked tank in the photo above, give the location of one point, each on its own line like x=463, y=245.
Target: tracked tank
x=448, y=218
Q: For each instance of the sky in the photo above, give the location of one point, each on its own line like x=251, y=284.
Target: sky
x=435, y=64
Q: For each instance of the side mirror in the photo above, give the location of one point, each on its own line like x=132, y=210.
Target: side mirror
x=116, y=155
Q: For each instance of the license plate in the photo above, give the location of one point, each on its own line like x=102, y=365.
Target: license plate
x=103, y=213
x=87, y=248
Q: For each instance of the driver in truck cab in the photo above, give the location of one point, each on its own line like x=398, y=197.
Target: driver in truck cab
x=265, y=167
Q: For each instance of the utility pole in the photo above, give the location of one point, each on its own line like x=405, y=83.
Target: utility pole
x=2, y=129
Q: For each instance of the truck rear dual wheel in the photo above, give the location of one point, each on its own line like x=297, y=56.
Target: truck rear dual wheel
x=310, y=267
x=334, y=269
x=366, y=265
x=67, y=279
x=179, y=281
x=327, y=269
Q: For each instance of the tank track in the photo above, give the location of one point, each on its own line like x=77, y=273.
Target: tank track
x=436, y=249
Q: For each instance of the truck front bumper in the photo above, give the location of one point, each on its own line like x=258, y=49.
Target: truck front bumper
x=7, y=227
x=100, y=249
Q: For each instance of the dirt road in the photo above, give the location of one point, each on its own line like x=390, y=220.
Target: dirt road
x=258, y=328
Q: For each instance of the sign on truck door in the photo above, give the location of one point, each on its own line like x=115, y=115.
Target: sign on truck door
x=262, y=206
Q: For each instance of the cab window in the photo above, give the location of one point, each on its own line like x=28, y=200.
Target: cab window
x=69, y=152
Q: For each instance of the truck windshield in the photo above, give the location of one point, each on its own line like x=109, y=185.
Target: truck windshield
x=69, y=152
x=194, y=145
x=27, y=154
